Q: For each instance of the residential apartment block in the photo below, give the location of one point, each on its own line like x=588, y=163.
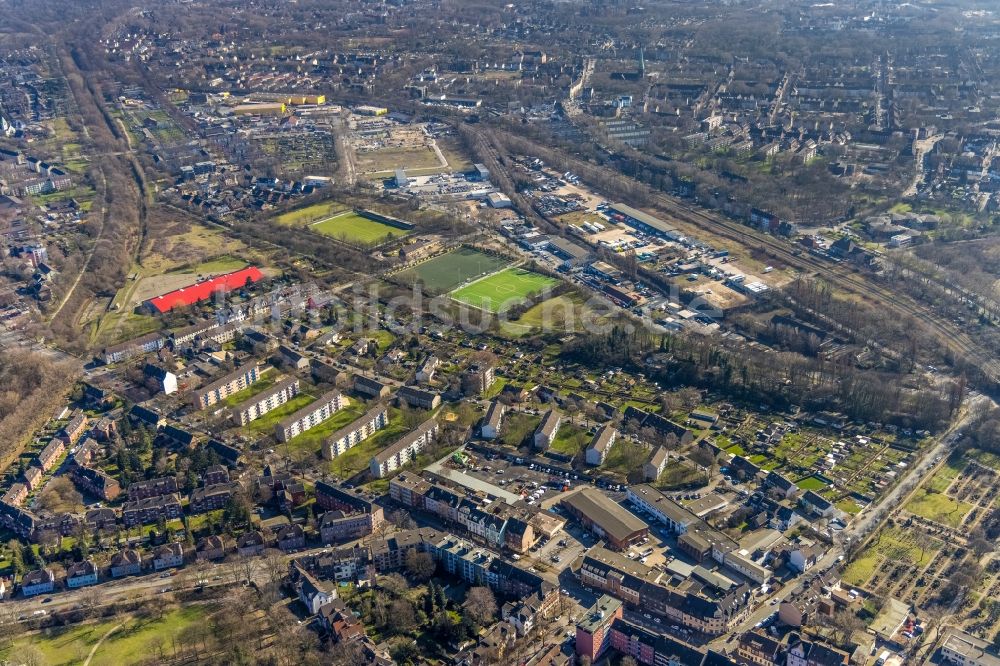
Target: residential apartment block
x=403, y=450
x=222, y=388
x=311, y=415
x=146, y=511
x=264, y=402
x=356, y=432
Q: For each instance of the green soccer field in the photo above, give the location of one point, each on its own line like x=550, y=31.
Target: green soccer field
x=502, y=290
x=353, y=228
x=445, y=272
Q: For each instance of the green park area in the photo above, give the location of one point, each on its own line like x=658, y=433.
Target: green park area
x=571, y=439
x=135, y=640
x=566, y=313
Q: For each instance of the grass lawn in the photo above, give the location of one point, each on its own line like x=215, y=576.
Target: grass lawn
x=566, y=313
x=499, y=291
x=625, y=457
x=938, y=507
x=948, y=473
x=517, y=426
x=890, y=545
x=198, y=522
x=129, y=645
x=811, y=483
x=405, y=157
x=265, y=424
x=312, y=439
x=356, y=229
x=985, y=458
x=677, y=474
x=571, y=439
x=63, y=646
x=132, y=643
x=311, y=213
x=447, y=271
x=847, y=505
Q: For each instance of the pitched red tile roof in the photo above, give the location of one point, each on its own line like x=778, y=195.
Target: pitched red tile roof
x=202, y=290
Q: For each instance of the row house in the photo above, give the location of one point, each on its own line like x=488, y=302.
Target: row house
x=168, y=556
x=215, y=474
x=655, y=503
x=369, y=387
x=73, y=431
x=163, y=485
x=290, y=537
x=545, y=433
x=340, y=564
x=210, y=498
x=653, y=468
x=212, y=547
x=64, y=524
x=599, y=447
x=336, y=526
x=39, y=581
x=146, y=417
x=759, y=649
x=16, y=495
x=251, y=543
x=102, y=519
x=418, y=397
x=184, y=337
x=145, y=344
x=490, y=428
x=648, y=647
x=160, y=379
x=176, y=438
x=97, y=483
x=332, y=498
x=81, y=574
x=695, y=602
x=33, y=477
x=48, y=456
x=150, y=510
x=19, y=521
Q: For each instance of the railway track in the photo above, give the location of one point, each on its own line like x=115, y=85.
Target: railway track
x=945, y=333
x=948, y=334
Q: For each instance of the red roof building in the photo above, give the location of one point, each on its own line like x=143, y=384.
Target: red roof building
x=203, y=290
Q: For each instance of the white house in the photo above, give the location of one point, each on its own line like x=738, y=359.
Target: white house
x=38, y=581
x=494, y=418
x=80, y=574
x=597, y=450
x=314, y=593
x=168, y=556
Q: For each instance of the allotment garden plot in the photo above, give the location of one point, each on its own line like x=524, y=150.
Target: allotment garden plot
x=932, y=539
